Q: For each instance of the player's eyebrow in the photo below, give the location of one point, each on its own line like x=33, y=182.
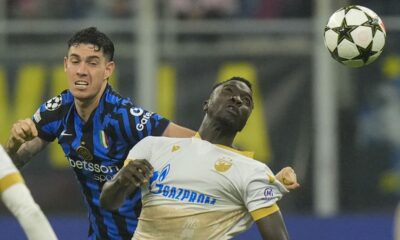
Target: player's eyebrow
x=94, y=57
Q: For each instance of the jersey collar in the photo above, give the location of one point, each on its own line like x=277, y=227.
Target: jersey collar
x=248, y=154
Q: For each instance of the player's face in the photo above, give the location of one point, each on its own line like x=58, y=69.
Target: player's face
x=231, y=104
x=87, y=71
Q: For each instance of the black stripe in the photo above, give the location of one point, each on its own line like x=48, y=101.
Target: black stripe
x=121, y=127
x=112, y=147
x=121, y=225
x=87, y=137
x=94, y=209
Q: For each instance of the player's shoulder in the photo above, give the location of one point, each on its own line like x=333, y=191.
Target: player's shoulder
x=54, y=108
x=56, y=102
x=161, y=140
x=116, y=100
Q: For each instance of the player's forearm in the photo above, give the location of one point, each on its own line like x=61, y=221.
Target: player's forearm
x=273, y=227
x=19, y=201
x=21, y=154
x=174, y=130
x=113, y=194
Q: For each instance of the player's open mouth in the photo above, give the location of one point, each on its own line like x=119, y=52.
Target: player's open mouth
x=232, y=109
x=81, y=84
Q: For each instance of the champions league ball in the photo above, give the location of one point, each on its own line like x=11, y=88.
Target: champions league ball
x=355, y=36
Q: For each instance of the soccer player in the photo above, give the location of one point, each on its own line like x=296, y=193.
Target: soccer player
x=18, y=199
x=95, y=127
x=201, y=187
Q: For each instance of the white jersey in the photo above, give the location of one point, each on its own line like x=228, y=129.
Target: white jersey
x=202, y=191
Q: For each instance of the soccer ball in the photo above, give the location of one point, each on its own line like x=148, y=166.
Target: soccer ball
x=355, y=36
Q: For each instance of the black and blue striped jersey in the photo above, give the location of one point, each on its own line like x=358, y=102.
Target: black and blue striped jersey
x=96, y=150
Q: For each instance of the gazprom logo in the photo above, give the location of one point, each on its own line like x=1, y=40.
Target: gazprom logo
x=164, y=173
x=136, y=111
x=160, y=176
x=157, y=187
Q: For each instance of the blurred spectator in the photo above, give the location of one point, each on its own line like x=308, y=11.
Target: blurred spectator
x=112, y=9
x=31, y=9
x=194, y=9
x=390, y=6
x=275, y=8
x=25, y=8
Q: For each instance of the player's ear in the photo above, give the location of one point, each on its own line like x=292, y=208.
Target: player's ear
x=110, y=66
x=205, y=106
x=65, y=63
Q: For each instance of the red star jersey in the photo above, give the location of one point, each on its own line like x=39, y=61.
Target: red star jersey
x=201, y=190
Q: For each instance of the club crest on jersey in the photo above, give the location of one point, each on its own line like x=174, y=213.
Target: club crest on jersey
x=223, y=164
x=84, y=153
x=53, y=103
x=175, y=148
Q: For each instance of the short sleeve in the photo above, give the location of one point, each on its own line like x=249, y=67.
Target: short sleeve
x=48, y=118
x=262, y=189
x=142, y=150
x=6, y=164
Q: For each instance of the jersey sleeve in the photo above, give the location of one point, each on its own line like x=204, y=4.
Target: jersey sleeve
x=48, y=118
x=262, y=190
x=9, y=175
x=139, y=123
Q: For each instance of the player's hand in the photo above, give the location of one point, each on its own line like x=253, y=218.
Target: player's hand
x=22, y=131
x=288, y=177
x=136, y=173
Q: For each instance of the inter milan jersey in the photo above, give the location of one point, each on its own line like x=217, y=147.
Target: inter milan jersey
x=96, y=150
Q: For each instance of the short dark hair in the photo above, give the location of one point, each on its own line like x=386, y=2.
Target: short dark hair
x=93, y=36
x=240, y=79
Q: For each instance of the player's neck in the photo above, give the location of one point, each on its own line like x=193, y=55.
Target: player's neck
x=85, y=107
x=216, y=134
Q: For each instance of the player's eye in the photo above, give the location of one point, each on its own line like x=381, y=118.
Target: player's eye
x=74, y=61
x=228, y=90
x=247, y=101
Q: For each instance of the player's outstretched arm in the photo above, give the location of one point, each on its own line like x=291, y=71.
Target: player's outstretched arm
x=174, y=130
x=24, y=142
x=272, y=227
x=18, y=199
x=124, y=183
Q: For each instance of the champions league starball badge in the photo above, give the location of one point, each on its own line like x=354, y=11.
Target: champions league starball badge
x=84, y=153
x=54, y=103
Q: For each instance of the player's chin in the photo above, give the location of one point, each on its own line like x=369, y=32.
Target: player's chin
x=81, y=94
x=232, y=124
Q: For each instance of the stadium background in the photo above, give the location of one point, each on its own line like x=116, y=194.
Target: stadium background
x=337, y=127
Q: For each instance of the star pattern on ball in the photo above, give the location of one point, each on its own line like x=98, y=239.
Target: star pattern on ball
x=373, y=23
x=344, y=31
x=365, y=53
x=337, y=57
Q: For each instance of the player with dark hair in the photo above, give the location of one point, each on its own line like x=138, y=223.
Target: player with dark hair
x=201, y=187
x=18, y=199
x=95, y=127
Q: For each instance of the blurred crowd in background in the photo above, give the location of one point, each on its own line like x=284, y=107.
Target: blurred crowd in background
x=192, y=9
x=185, y=9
